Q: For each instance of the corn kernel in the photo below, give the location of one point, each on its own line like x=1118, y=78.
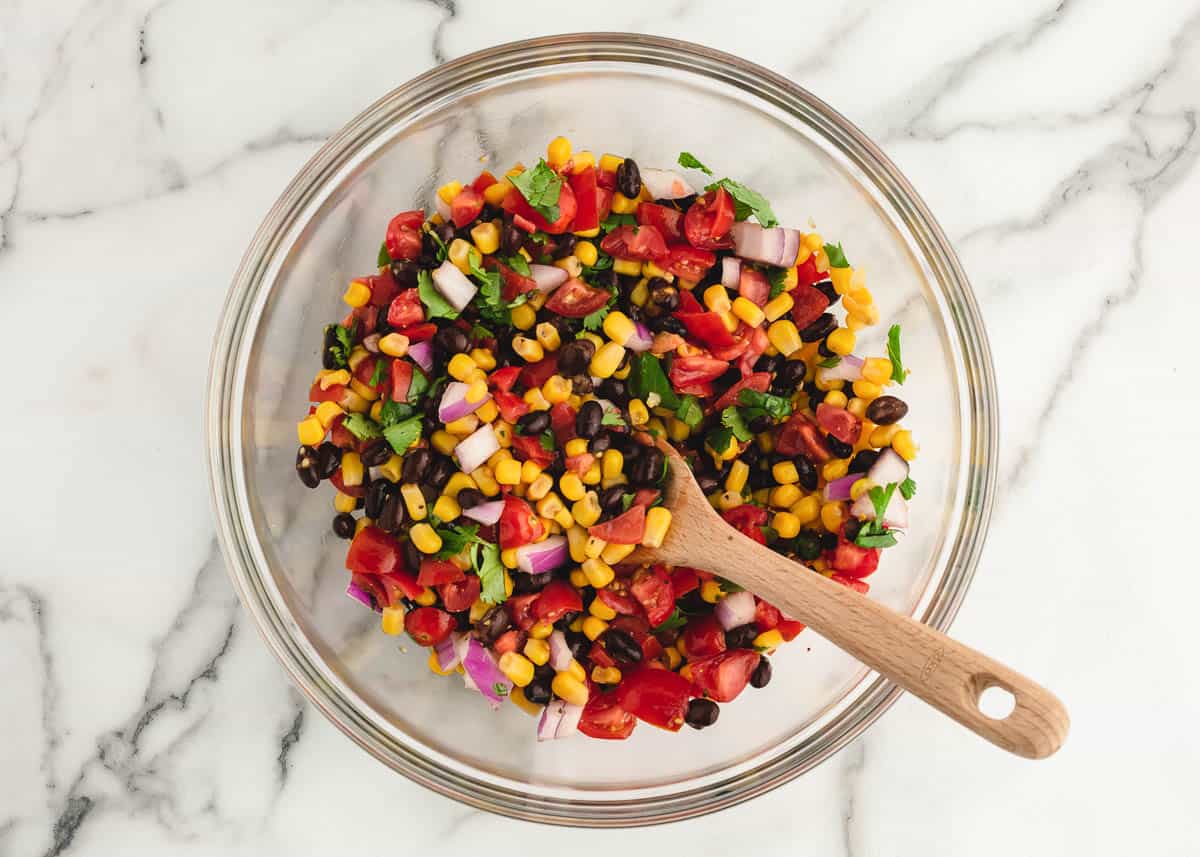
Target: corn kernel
x=606, y=675
x=493, y=195
x=483, y=359
x=391, y=469
x=586, y=510
x=616, y=553
x=558, y=152
x=877, y=369
x=594, y=627
x=858, y=407
x=599, y=573
x=459, y=254
x=806, y=509
x=537, y=650
x=905, y=446
x=727, y=500
x=739, y=472
x=606, y=359
x=578, y=578
x=640, y=293
x=394, y=344
x=449, y=190
x=841, y=341
x=508, y=472
x=393, y=620
x=831, y=516
x=340, y=376
x=344, y=502
x=769, y=640
x=860, y=487
x=478, y=610
x=883, y=435
x=523, y=318
x=352, y=469
x=716, y=298
x=786, y=524
x=357, y=294
x=618, y=326
x=534, y=398
x=784, y=336
x=326, y=413
x=576, y=539
x=748, y=311
x=621, y=204
x=575, y=671
x=627, y=267
x=446, y=508
x=785, y=495
x=586, y=253
x=517, y=667
x=541, y=630
x=569, y=688
x=547, y=334
x=711, y=592
x=504, y=433
x=570, y=264
x=557, y=389
x=658, y=522
x=612, y=463
x=609, y=163
x=310, y=431
x=836, y=398
x=463, y=426
x=865, y=389
x=414, y=501
x=435, y=666
x=835, y=469
x=778, y=306
x=461, y=367
x=443, y=441
x=622, y=372
x=594, y=547
x=486, y=237
x=638, y=414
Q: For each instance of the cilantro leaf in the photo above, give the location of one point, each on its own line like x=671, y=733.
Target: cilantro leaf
x=403, y=434
x=777, y=407
x=384, y=258
x=676, y=620
x=393, y=412
x=880, y=497
x=732, y=420
x=546, y=439
x=378, y=373
x=486, y=561
x=627, y=501
x=478, y=331
x=442, y=250
x=719, y=439
x=418, y=387
x=899, y=373
x=595, y=320
x=908, y=488
x=830, y=362
x=881, y=539
x=363, y=428
x=689, y=411
x=436, y=306
x=687, y=159
x=873, y=534
x=612, y=417
x=540, y=187
x=728, y=586
x=614, y=220
x=455, y=539
x=518, y=264
x=747, y=202
x=777, y=277
x=648, y=377
x=837, y=256
x=341, y=351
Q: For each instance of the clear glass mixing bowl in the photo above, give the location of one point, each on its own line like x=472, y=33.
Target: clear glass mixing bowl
x=648, y=97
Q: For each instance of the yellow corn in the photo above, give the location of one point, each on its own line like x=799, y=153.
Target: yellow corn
x=310, y=431
x=580, y=161
x=835, y=469
x=393, y=620
x=622, y=372
x=878, y=370
x=534, y=398
x=786, y=524
x=806, y=509
x=594, y=546
x=578, y=578
x=606, y=675
x=569, y=688
x=425, y=538
x=508, y=558
x=640, y=293
x=571, y=487
x=836, y=398
x=414, y=501
x=902, y=442
x=618, y=326
x=363, y=390
x=517, y=667
x=784, y=336
x=831, y=516
x=435, y=667
x=557, y=389
x=865, y=389
x=778, y=306
x=748, y=311
x=739, y=472
x=638, y=414
x=547, y=334
x=784, y=472
x=494, y=194
x=785, y=495
x=486, y=237
x=394, y=344
x=710, y=591
x=539, y=487
x=570, y=264
x=449, y=190
x=459, y=254
x=586, y=510
x=884, y=435
x=530, y=350
x=716, y=298
x=612, y=462
x=621, y=204
x=593, y=627
x=508, y=472
x=344, y=502
x=609, y=163
x=357, y=294
x=463, y=426
x=576, y=539
x=860, y=487
x=627, y=267
x=487, y=412
x=729, y=500
x=538, y=651
x=598, y=572
x=339, y=376
x=606, y=359
x=769, y=640
x=443, y=441
x=391, y=469
x=841, y=341
x=658, y=522
x=558, y=152
x=601, y=610
x=461, y=367
x=858, y=407
x=586, y=253
x=615, y=553
x=504, y=433
x=446, y=508
x=522, y=702
x=541, y=630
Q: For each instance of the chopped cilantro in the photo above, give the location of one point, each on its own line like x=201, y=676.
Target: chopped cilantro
x=627, y=501
x=687, y=159
x=518, y=264
x=830, y=362
x=908, y=488
x=777, y=277
x=776, y=407
x=540, y=186
x=719, y=439
x=363, y=428
x=882, y=538
x=384, y=258
x=436, y=306
x=478, y=331
x=689, y=411
x=614, y=220
x=403, y=434
x=455, y=539
x=747, y=202
x=393, y=412
x=442, y=251
x=899, y=373
x=341, y=351
x=676, y=620
x=595, y=320
x=873, y=534
x=648, y=377
x=500, y=688
x=418, y=387
x=379, y=373
x=493, y=307
x=770, y=534
x=603, y=263
x=837, y=256
x=732, y=420
x=486, y=561
x=612, y=417
x=546, y=439
x=728, y=586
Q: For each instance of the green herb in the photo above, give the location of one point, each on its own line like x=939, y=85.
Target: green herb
x=777, y=277
x=648, y=377
x=603, y=263
x=908, y=488
x=830, y=362
x=403, y=434
x=540, y=186
x=341, y=351
x=518, y=264
x=363, y=428
x=612, y=417
x=393, y=412
x=837, y=256
x=899, y=373
x=732, y=420
x=769, y=533
x=807, y=546
x=455, y=539
x=728, y=586
x=493, y=307
x=676, y=620
x=436, y=306
x=595, y=320
x=747, y=203
x=486, y=561
x=546, y=439
x=879, y=539
x=442, y=251
x=611, y=222
x=500, y=689
x=776, y=407
x=383, y=259
x=627, y=501
x=418, y=387
x=873, y=534
x=687, y=159
x=378, y=373
x=719, y=439
x=478, y=331
x=689, y=411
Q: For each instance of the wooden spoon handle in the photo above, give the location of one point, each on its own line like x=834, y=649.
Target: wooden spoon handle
x=945, y=673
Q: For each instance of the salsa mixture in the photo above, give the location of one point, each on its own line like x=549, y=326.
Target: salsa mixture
x=486, y=413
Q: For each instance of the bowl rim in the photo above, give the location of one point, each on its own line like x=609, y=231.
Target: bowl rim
x=944, y=592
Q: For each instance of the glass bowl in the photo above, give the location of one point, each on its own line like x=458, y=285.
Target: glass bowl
x=648, y=97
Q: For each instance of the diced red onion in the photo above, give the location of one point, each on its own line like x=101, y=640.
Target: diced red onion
x=359, y=594
x=485, y=513
x=476, y=448
x=775, y=246
x=735, y=610
x=839, y=489
x=422, y=353
x=888, y=467
x=666, y=184
x=551, y=716
x=569, y=724
x=896, y=514
x=461, y=642
x=485, y=674
x=791, y=247
x=454, y=404
x=371, y=343
x=731, y=272
x=849, y=368
x=641, y=339
x=547, y=277
x=441, y=206
x=560, y=652
x=454, y=285
x=447, y=653
x=543, y=556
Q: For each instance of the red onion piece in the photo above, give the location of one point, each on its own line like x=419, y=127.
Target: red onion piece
x=547, y=277
x=791, y=247
x=735, y=610
x=839, y=489
x=371, y=343
x=454, y=404
x=641, y=339
x=775, y=246
x=888, y=467
x=543, y=556
x=569, y=724
x=473, y=450
x=560, y=652
x=441, y=206
x=454, y=285
x=422, y=353
x=359, y=594
x=731, y=272
x=666, y=184
x=551, y=716
x=485, y=513
x=896, y=514
x=447, y=654
x=849, y=368
x=485, y=674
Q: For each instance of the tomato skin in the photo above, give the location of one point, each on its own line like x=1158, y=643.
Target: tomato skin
x=657, y=696
x=652, y=588
x=520, y=608
x=504, y=379
x=757, y=381
x=406, y=309
x=374, y=552
x=517, y=204
x=625, y=529
x=575, y=299
x=706, y=224
x=515, y=284
x=851, y=583
x=757, y=344
x=459, y=595
x=383, y=289
x=587, y=200
x=518, y=525
x=703, y=637
x=536, y=374
x=603, y=717
x=331, y=394
x=766, y=615
x=789, y=629
x=688, y=371
x=807, y=273
x=689, y=263
x=512, y=407
x=643, y=242
x=748, y=519
x=419, y=332
x=403, y=240
x=667, y=220
x=619, y=600
x=529, y=448
x=850, y=560
x=580, y=464
x=428, y=626
x=337, y=481
x=556, y=600
x=799, y=435
x=754, y=286
x=362, y=320
x=365, y=371
x=708, y=328
x=435, y=572
x=398, y=585
x=509, y=641
x=341, y=437
x=684, y=580
x=839, y=422
x=562, y=422
x=483, y=181
x=402, y=375
x=722, y=677
x=809, y=304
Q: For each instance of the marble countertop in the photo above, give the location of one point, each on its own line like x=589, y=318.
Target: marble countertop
x=141, y=141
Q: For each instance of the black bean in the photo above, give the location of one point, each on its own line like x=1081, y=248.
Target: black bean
x=708, y=482
x=768, y=363
x=829, y=541
x=601, y=442
x=534, y=422
x=538, y=690
x=791, y=374
x=429, y=491
x=751, y=454
x=758, y=425
x=621, y=646
x=863, y=461
x=415, y=465
x=807, y=545
x=606, y=279
x=820, y=328
x=450, y=341
x=692, y=603
x=577, y=643
x=761, y=476
x=446, y=232
x=826, y=288
x=524, y=584
x=610, y=498
x=462, y=620
x=512, y=237
x=741, y=637
x=306, y=466
x=376, y=452
x=807, y=471
x=574, y=356
x=629, y=178
x=377, y=494
x=669, y=324
x=589, y=418
x=440, y=471
x=430, y=408
x=761, y=676
x=469, y=498
x=328, y=359
x=581, y=385
x=823, y=349
x=343, y=525
x=728, y=378
x=853, y=525
x=329, y=459
x=564, y=246
x=391, y=516
x=647, y=471
x=412, y=556
x=663, y=299
x=492, y=624
x=405, y=272
x=683, y=203
x=887, y=410
x=615, y=390
x=838, y=448
x=702, y=713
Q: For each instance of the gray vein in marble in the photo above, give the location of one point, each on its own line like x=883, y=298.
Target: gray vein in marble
x=439, y=32
x=289, y=740
x=50, y=740
x=855, y=760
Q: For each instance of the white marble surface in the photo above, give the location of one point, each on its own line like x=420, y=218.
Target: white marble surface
x=140, y=144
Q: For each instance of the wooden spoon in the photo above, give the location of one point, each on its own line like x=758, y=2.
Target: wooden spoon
x=943, y=672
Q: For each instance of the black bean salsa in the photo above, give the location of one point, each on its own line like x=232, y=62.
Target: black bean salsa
x=487, y=408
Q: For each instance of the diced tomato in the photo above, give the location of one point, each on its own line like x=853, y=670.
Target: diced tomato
x=708, y=221
x=466, y=206
x=515, y=284
x=603, y=717
x=618, y=599
x=438, y=571
x=520, y=608
x=483, y=181
x=341, y=436
x=753, y=285
x=428, y=625
x=645, y=497
x=667, y=220
x=504, y=379
x=529, y=448
x=606, y=179
x=567, y=205
x=807, y=273
x=604, y=197
x=398, y=585
x=383, y=288
x=700, y=391
x=331, y=394
x=518, y=524
x=800, y=435
x=525, y=223
x=688, y=302
x=686, y=371
x=625, y=529
x=635, y=242
x=809, y=304
x=402, y=375
x=403, y=240
x=748, y=519
x=557, y=600
x=338, y=481
x=766, y=615
x=722, y=677
x=851, y=583
x=839, y=422
x=362, y=320
x=658, y=696
x=703, y=637
x=735, y=349
x=708, y=328
x=851, y=560
x=575, y=299
x=459, y=595
x=683, y=580
x=759, y=382
x=562, y=422
x=689, y=263
x=509, y=641
x=374, y=552
x=790, y=629
x=365, y=371
x=758, y=343
x=587, y=210
x=652, y=588
x=512, y=407
x=536, y=374
x=419, y=332
x=580, y=464
x=599, y=656
x=638, y=628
